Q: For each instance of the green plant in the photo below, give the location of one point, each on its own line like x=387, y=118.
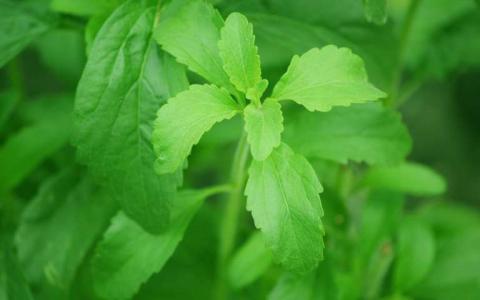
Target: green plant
x=180, y=124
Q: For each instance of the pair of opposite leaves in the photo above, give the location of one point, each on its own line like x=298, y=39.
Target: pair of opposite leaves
x=283, y=189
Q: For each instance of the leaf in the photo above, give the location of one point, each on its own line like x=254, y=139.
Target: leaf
x=409, y=178
x=279, y=38
x=190, y=31
x=316, y=285
x=264, y=126
x=59, y=226
x=16, y=286
x=455, y=270
x=23, y=151
x=239, y=53
x=375, y=11
x=84, y=7
x=250, y=262
x=8, y=100
x=127, y=255
x=20, y=24
x=363, y=133
x=414, y=255
x=125, y=81
x=177, y=131
x=323, y=78
x=283, y=196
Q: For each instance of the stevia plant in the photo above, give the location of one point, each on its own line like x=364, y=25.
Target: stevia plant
x=194, y=149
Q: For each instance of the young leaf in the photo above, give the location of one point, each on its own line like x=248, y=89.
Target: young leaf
x=363, y=133
x=190, y=32
x=127, y=256
x=125, y=81
x=375, y=11
x=25, y=150
x=414, y=256
x=184, y=119
x=239, y=53
x=324, y=78
x=264, y=125
x=283, y=196
x=20, y=24
x=68, y=212
x=409, y=178
x=250, y=262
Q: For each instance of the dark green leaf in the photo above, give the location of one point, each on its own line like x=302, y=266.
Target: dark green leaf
x=19, y=25
x=59, y=226
x=375, y=11
x=127, y=256
x=366, y=132
x=125, y=81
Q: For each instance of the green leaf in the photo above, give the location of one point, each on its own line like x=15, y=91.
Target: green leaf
x=84, y=7
x=184, y=119
x=363, y=133
x=239, y=53
x=190, y=31
x=283, y=196
x=20, y=24
x=125, y=81
x=23, y=151
x=8, y=100
x=455, y=270
x=16, y=287
x=127, y=256
x=375, y=11
x=323, y=78
x=69, y=212
x=316, y=285
x=264, y=126
x=415, y=253
x=250, y=262
x=409, y=178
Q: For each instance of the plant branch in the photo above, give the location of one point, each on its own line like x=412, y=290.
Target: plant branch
x=232, y=211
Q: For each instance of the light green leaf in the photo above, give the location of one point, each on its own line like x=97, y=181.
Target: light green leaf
x=190, y=31
x=127, y=256
x=323, y=78
x=415, y=253
x=250, y=262
x=125, y=81
x=59, y=226
x=375, y=11
x=239, y=53
x=20, y=24
x=363, y=133
x=264, y=125
x=23, y=151
x=283, y=196
x=184, y=119
x=409, y=178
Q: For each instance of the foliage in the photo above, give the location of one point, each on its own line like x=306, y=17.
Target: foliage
x=194, y=149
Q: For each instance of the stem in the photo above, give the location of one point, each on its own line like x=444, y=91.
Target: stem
x=232, y=211
x=403, y=42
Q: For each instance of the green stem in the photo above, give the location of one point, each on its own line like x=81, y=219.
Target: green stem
x=403, y=43
x=232, y=211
